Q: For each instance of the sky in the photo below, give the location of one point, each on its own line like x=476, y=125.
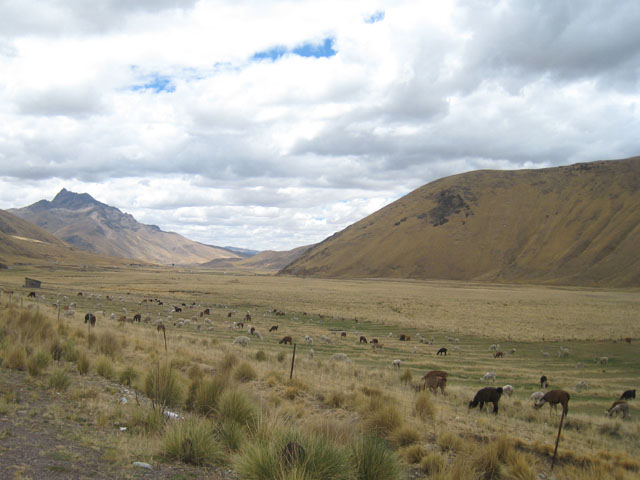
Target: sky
x=270, y=124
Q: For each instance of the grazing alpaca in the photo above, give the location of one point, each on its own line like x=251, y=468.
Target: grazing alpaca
x=544, y=382
x=507, y=390
x=137, y=317
x=435, y=373
x=442, y=351
x=274, y=328
x=90, y=318
x=396, y=364
x=286, y=340
x=553, y=398
x=487, y=395
x=628, y=394
x=498, y=355
x=374, y=340
x=363, y=339
x=433, y=382
x=617, y=407
x=489, y=376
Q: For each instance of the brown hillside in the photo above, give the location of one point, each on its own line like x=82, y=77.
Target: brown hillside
x=87, y=224
x=578, y=225
x=24, y=242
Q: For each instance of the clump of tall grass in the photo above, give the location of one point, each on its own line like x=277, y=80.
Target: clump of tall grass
x=208, y=394
x=37, y=362
x=424, y=406
x=244, y=372
x=449, y=441
x=375, y=461
x=33, y=326
x=108, y=344
x=104, y=367
x=406, y=377
x=235, y=405
x=433, y=463
x=521, y=467
x=412, y=453
x=231, y=434
x=69, y=351
x=405, y=435
x=192, y=441
x=55, y=348
x=294, y=454
x=228, y=362
x=83, y=363
x=260, y=356
x=128, y=375
x=16, y=358
x=162, y=387
x=59, y=380
x=146, y=420
x=382, y=416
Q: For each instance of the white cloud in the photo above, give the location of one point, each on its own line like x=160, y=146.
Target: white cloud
x=158, y=107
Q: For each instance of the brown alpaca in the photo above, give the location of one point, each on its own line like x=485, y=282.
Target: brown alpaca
x=434, y=382
x=363, y=339
x=498, y=355
x=436, y=373
x=553, y=398
x=286, y=340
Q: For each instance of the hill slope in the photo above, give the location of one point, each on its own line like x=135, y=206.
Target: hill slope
x=24, y=242
x=578, y=225
x=87, y=224
x=268, y=260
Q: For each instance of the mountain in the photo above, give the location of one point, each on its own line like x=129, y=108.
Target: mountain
x=87, y=224
x=267, y=260
x=577, y=225
x=24, y=242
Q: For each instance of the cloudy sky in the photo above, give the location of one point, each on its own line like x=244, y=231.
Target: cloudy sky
x=273, y=124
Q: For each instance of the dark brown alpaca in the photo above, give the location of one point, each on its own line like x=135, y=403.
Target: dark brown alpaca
x=286, y=340
x=487, y=395
x=553, y=398
x=498, y=355
x=363, y=339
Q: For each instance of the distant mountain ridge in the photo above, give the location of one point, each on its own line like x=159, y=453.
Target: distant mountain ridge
x=576, y=225
x=90, y=225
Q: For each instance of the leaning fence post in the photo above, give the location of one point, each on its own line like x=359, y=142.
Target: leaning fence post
x=293, y=359
x=555, y=451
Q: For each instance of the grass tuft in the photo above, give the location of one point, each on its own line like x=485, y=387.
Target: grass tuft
x=245, y=373
x=38, y=362
x=59, y=380
x=208, y=394
x=374, y=461
x=192, y=441
x=104, y=367
x=162, y=387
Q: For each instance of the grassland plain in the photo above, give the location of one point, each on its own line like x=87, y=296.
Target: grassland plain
x=354, y=397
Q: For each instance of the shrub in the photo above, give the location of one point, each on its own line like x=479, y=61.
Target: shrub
x=280, y=356
x=374, y=461
x=16, y=358
x=260, y=356
x=235, y=405
x=424, y=406
x=104, y=367
x=433, y=463
x=108, y=344
x=83, y=364
x=128, y=375
x=37, y=362
x=55, y=348
x=335, y=399
x=521, y=467
x=192, y=441
x=59, y=380
x=208, y=394
x=162, y=387
x=245, y=373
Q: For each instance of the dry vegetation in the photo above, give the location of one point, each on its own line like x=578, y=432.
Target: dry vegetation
x=355, y=419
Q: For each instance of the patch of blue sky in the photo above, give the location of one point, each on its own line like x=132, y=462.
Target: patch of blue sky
x=375, y=18
x=323, y=49
x=157, y=83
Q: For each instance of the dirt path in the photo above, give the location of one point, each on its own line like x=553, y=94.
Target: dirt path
x=44, y=435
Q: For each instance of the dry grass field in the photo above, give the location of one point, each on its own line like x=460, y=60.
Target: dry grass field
x=345, y=419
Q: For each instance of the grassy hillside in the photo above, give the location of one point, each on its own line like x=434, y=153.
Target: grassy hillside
x=267, y=261
x=578, y=225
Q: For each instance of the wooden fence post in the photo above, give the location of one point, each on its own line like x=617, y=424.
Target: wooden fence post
x=293, y=359
x=555, y=451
